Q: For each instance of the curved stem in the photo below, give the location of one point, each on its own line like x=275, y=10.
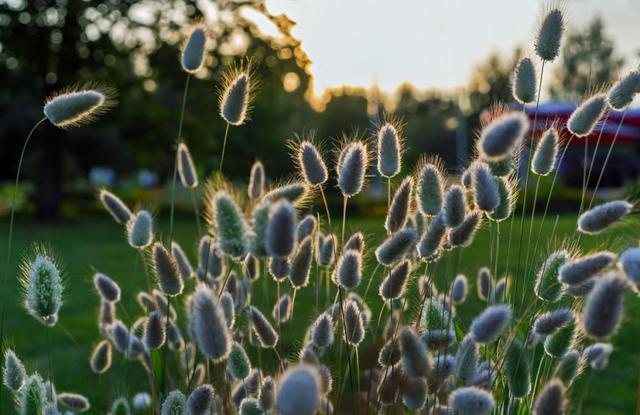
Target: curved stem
x=175, y=161
x=224, y=147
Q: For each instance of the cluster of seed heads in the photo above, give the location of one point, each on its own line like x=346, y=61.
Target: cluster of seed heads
x=425, y=358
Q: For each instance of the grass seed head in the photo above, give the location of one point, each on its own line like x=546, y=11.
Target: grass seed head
x=429, y=189
x=353, y=161
x=490, y=324
x=264, y=331
x=154, y=331
x=74, y=401
x=471, y=401
x=41, y=280
x=116, y=207
x=389, y=151
x=311, y=165
x=106, y=287
x=229, y=226
x=298, y=391
x=400, y=206
x=14, y=374
x=255, y=189
x=306, y=227
x=500, y=138
x=182, y=261
x=524, y=81
x=281, y=230
x=549, y=36
x=459, y=289
x=551, y=400
x=486, y=195
x=430, y=243
x=601, y=217
x=546, y=153
x=166, y=270
x=301, y=263
x=454, y=207
x=322, y=331
x=624, y=91
x=348, y=272
x=174, y=403
x=602, y=313
x=416, y=360
x=353, y=325
x=101, y=357
x=193, y=50
x=580, y=270
x=396, y=246
x=77, y=107
x=238, y=364
x=583, y=120
x=393, y=286
x=210, y=325
x=467, y=359
x=236, y=97
x=186, y=168
x=630, y=264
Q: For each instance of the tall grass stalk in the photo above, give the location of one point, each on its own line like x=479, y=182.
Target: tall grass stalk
x=224, y=147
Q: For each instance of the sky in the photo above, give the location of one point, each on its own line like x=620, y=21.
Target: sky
x=432, y=43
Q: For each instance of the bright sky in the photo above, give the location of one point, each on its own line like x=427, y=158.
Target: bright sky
x=432, y=43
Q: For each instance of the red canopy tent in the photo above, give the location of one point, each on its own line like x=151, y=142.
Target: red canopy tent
x=559, y=112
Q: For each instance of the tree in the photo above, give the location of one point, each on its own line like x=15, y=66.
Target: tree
x=588, y=61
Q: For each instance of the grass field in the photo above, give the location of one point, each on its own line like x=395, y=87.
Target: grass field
x=90, y=245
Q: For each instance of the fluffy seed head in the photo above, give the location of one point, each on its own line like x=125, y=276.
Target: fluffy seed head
x=279, y=268
x=120, y=406
x=14, y=373
x=584, y=119
x=326, y=251
x=630, y=264
x=597, y=355
x=524, y=82
x=116, y=208
x=463, y=234
x=517, y=369
x=41, y=281
x=210, y=325
x=74, y=108
x=141, y=401
x=484, y=283
x=400, y=206
x=306, y=227
x=210, y=260
x=263, y=330
x=250, y=406
x=353, y=327
x=485, y=189
x=547, y=286
x=193, y=50
x=301, y=263
x=467, y=359
x=396, y=246
x=74, y=401
x=429, y=189
x=560, y=342
x=547, y=43
x=311, y=165
x=454, y=207
x=416, y=360
x=471, y=401
x=389, y=353
x=174, y=403
x=238, y=364
x=389, y=158
x=322, y=331
x=228, y=308
x=234, y=101
x=348, y=272
x=298, y=391
x=352, y=167
x=550, y=400
x=186, y=168
x=622, y=92
x=166, y=270
x=295, y=192
x=499, y=139
x=548, y=323
x=267, y=393
x=184, y=266
x=140, y=230
x=414, y=393
x=569, y=367
x=599, y=218
x=282, y=309
x=106, y=287
x=580, y=270
x=603, y=309
x=393, y=286
x=229, y=226
x=486, y=327
x=355, y=242
x=256, y=181
x=154, y=331
x=101, y=357
x=459, y=289
x=32, y=396
x=544, y=157
x=281, y=229
x=431, y=241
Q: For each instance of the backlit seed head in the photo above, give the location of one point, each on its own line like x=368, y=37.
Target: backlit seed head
x=454, y=207
x=301, y=263
x=500, y=138
x=141, y=401
x=311, y=164
x=120, y=336
x=485, y=189
x=106, y=287
x=569, y=367
x=199, y=402
x=630, y=264
x=548, y=323
x=238, y=364
x=560, y=342
x=41, y=280
x=396, y=246
x=32, y=396
x=210, y=325
x=140, y=230
x=174, y=403
x=353, y=325
x=583, y=120
x=601, y=217
x=430, y=243
x=416, y=360
x=322, y=331
x=250, y=406
x=355, y=242
x=279, y=268
x=597, y=355
x=393, y=286
x=75, y=107
x=154, y=331
x=101, y=357
x=298, y=391
x=603, y=309
x=471, y=401
x=547, y=42
x=210, y=259
x=264, y=331
x=282, y=309
x=400, y=206
x=414, y=393
x=116, y=208
x=467, y=359
x=306, y=227
x=546, y=153
x=267, y=393
x=166, y=271
x=487, y=326
x=524, y=82
x=228, y=308
x=229, y=226
x=484, y=283
x=429, y=189
x=256, y=181
x=389, y=353
x=582, y=269
x=463, y=235
x=74, y=401
x=389, y=150
x=353, y=161
x=547, y=286
x=193, y=50
x=296, y=192
x=459, y=289
x=551, y=399
x=14, y=374
x=186, y=168
x=326, y=251
x=622, y=92
x=348, y=272
x=281, y=229
x=506, y=191
x=517, y=369
x=236, y=97
x=182, y=261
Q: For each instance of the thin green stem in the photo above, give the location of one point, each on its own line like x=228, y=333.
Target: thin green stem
x=175, y=160
x=196, y=210
x=224, y=147
x=344, y=220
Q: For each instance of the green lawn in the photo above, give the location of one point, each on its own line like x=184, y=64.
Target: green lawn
x=90, y=245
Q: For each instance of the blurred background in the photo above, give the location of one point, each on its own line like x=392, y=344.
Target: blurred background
x=435, y=66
